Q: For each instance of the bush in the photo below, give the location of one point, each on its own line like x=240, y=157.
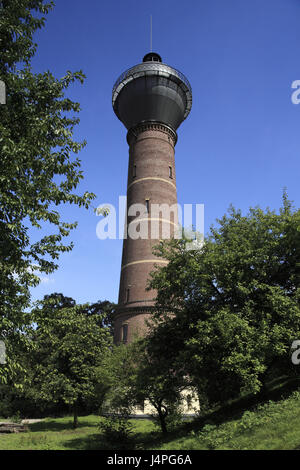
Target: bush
x=117, y=432
x=16, y=418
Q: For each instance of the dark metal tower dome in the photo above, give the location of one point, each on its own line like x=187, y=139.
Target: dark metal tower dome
x=152, y=91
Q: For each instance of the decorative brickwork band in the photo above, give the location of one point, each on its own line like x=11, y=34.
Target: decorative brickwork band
x=144, y=261
x=151, y=178
x=133, y=133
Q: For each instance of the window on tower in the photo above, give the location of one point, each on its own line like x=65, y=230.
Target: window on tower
x=147, y=205
x=134, y=171
x=170, y=172
x=124, y=333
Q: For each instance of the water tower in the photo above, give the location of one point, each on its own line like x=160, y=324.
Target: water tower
x=151, y=99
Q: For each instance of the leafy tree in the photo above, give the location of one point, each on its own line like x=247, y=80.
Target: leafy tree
x=68, y=349
x=161, y=385
x=234, y=303
x=116, y=374
x=133, y=375
x=38, y=170
x=58, y=301
x=106, y=310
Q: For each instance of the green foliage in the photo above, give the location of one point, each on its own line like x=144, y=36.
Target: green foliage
x=105, y=310
x=173, y=418
x=37, y=168
x=117, y=432
x=16, y=418
x=159, y=383
x=235, y=303
x=117, y=373
x=132, y=375
x=68, y=348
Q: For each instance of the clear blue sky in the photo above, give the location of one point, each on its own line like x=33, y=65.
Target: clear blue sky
x=241, y=141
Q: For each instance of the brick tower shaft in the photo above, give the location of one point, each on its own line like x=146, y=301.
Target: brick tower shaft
x=152, y=216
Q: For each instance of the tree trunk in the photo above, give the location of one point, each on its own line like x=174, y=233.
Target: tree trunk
x=75, y=416
x=162, y=419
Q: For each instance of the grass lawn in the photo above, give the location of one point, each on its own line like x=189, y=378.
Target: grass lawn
x=58, y=434
x=274, y=425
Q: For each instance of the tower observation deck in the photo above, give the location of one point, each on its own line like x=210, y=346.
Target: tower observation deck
x=151, y=99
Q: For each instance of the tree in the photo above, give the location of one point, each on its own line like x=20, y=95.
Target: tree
x=106, y=310
x=134, y=375
x=68, y=349
x=116, y=374
x=159, y=384
x=38, y=170
x=234, y=303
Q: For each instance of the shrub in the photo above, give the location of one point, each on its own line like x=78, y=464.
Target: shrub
x=117, y=432
x=16, y=417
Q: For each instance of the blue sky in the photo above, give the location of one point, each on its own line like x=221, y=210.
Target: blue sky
x=240, y=143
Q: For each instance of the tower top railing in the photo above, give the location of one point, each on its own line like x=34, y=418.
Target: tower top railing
x=154, y=68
